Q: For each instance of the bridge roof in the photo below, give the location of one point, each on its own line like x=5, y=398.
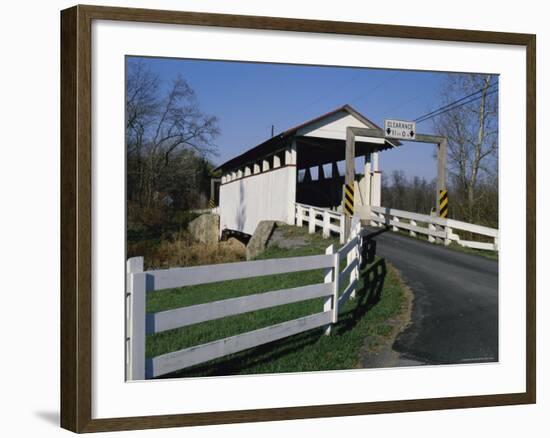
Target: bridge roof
x=310, y=137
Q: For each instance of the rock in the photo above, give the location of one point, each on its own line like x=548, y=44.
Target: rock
x=232, y=242
x=205, y=228
x=258, y=241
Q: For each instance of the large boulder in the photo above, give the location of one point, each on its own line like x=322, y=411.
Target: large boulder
x=258, y=242
x=205, y=228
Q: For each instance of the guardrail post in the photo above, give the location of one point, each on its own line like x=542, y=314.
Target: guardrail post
x=299, y=216
x=330, y=276
x=448, y=232
x=326, y=225
x=411, y=232
x=135, y=309
x=395, y=220
x=431, y=227
x=311, y=220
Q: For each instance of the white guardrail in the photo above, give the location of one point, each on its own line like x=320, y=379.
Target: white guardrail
x=436, y=228
x=320, y=217
x=140, y=323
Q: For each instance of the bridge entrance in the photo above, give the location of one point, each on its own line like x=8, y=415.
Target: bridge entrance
x=352, y=133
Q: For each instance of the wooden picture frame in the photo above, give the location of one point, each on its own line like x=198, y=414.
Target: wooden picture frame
x=76, y=217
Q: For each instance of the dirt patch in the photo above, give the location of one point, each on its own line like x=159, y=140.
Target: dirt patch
x=377, y=351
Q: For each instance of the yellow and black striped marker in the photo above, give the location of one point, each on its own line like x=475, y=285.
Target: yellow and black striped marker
x=348, y=199
x=212, y=204
x=443, y=203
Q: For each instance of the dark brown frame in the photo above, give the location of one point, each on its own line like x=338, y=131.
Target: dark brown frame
x=76, y=336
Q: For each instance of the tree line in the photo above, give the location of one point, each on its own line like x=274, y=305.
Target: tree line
x=169, y=145
x=469, y=120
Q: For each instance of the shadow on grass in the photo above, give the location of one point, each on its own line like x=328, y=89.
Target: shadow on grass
x=366, y=297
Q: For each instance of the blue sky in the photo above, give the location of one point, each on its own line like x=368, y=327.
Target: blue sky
x=250, y=97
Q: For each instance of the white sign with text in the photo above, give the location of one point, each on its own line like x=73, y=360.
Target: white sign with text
x=400, y=129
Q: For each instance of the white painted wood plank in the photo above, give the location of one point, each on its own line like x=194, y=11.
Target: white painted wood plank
x=348, y=269
x=180, y=277
x=401, y=214
x=473, y=228
x=347, y=293
x=184, y=316
x=477, y=245
x=347, y=247
x=187, y=357
x=417, y=229
x=464, y=226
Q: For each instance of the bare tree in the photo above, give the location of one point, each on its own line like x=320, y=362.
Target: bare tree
x=160, y=123
x=472, y=132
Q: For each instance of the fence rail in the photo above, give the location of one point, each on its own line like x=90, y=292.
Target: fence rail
x=320, y=217
x=140, y=323
x=437, y=229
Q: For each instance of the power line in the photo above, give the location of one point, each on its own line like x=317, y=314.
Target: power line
x=455, y=107
x=451, y=105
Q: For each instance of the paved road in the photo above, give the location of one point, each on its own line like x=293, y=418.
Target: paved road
x=455, y=306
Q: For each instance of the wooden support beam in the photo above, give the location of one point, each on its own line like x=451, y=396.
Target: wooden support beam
x=350, y=174
x=440, y=141
x=441, y=167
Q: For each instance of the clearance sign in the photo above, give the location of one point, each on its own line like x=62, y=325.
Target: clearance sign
x=400, y=129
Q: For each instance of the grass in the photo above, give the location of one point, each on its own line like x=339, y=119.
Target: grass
x=172, y=245
x=380, y=297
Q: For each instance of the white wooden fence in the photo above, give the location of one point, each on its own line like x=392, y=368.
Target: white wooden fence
x=140, y=323
x=436, y=228
x=320, y=217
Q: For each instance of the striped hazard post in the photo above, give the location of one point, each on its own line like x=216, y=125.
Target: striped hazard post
x=211, y=203
x=443, y=203
x=348, y=199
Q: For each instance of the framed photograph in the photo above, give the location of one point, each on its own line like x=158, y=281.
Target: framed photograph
x=270, y=218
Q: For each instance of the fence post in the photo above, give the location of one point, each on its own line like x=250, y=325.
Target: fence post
x=448, y=232
x=431, y=227
x=329, y=278
x=135, y=336
x=326, y=225
x=496, y=243
x=411, y=232
x=352, y=255
x=335, y=286
x=396, y=220
x=342, y=228
x=311, y=220
x=299, y=215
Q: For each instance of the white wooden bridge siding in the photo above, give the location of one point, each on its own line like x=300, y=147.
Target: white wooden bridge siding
x=265, y=196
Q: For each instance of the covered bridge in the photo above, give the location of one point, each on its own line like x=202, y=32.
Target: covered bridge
x=299, y=166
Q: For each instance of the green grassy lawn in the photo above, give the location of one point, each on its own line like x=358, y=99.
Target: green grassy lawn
x=380, y=297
